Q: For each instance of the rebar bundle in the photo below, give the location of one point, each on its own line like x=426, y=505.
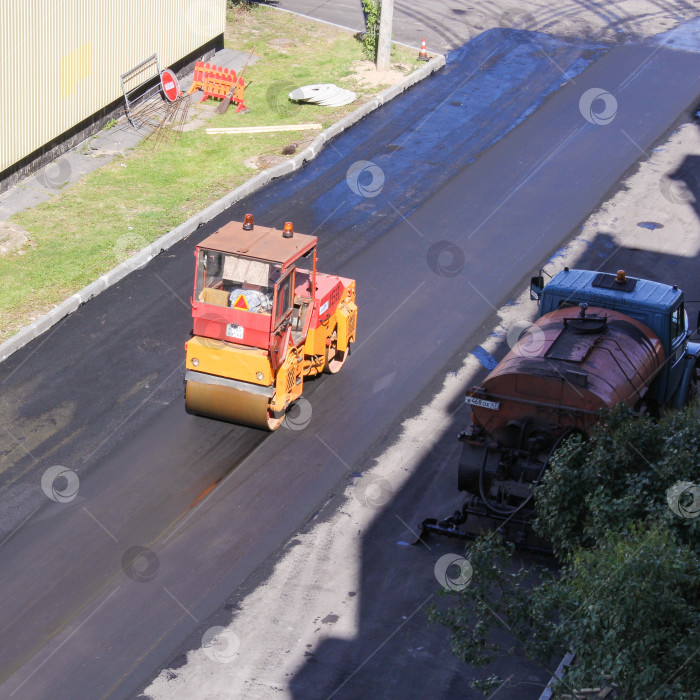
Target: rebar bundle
x=162, y=119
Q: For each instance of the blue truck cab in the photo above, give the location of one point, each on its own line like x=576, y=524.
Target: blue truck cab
x=659, y=306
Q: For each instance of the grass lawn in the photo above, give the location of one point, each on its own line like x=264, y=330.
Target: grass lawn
x=111, y=213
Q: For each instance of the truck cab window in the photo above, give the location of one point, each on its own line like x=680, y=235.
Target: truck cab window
x=678, y=324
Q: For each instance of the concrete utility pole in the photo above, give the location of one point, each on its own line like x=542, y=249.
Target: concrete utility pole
x=386, y=19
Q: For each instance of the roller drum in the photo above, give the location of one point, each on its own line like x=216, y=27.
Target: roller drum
x=230, y=403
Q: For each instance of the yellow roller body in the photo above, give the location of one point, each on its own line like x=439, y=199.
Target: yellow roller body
x=229, y=360
x=289, y=384
x=347, y=324
x=316, y=340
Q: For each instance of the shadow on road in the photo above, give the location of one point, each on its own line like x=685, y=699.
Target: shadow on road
x=397, y=652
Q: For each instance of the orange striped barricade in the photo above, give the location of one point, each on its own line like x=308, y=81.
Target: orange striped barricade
x=218, y=84
x=238, y=96
x=200, y=70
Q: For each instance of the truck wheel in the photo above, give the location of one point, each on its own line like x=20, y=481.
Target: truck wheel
x=334, y=358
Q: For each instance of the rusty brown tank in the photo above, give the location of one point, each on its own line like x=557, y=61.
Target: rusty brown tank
x=569, y=365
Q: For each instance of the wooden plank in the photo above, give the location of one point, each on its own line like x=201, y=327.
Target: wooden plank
x=263, y=129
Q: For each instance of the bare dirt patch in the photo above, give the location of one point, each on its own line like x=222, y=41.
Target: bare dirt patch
x=13, y=238
x=365, y=74
x=269, y=161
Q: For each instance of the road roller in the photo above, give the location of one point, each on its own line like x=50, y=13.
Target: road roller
x=263, y=319
x=600, y=339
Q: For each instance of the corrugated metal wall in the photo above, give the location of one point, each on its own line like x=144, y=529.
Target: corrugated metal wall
x=60, y=60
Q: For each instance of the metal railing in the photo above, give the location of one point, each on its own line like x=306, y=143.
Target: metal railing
x=146, y=86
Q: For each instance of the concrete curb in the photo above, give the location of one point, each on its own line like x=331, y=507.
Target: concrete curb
x=138, y=260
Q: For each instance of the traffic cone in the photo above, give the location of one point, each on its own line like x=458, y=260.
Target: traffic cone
x=423, y=55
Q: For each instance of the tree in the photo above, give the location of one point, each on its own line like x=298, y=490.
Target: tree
x=372, y=11
x=626, y=598
x=622, y=473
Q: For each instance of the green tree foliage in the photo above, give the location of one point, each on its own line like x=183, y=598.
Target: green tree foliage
x=372, y=10
x=630, y=607
x=620, y=475
x=499, y=596
x=627, y=596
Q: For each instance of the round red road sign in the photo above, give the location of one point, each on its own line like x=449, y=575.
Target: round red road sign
x=170, y=85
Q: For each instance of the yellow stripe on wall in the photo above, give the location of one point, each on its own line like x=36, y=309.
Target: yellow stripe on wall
x=75, y=66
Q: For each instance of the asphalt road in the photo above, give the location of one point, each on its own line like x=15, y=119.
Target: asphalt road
x=448, y=24
x=485, y=169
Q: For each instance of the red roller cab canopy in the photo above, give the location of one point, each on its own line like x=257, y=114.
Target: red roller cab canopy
x=260, y=243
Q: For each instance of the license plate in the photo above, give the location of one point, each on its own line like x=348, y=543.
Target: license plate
x=473, y=401
x=233, y=330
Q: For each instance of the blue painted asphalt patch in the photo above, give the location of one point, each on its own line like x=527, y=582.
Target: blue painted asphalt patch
x=485, y=358
x=559, y=253
x=487, y=88
x=651, y=225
